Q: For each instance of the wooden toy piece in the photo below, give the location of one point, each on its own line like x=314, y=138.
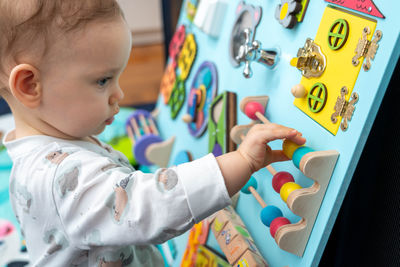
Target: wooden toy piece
x=202, y=93
x=210, y=16
x=281, y=178
x=192, y=105
x=289, y=148
x=222, y=217
x=175, y=46
x=305, y=202
x=130, y=135
x=283, y=183
x=295, y=152
x=238, y=132
x=153, y=126
x=299, y=91
x=254, y=107
x=148, y=147
x=365, y=6
x=230, y=232
x=238, y=246
x=197, y=236
x=287, y=189
x=232, y=236
x=222, y=118
x=268, y=213
x=250, y=187
x=207, y=258
x=250, y=259
x=159, y=153
x=135, y=127
x=276, y=224
x=177, y=97
x=191, y=9
x=187, y=56
x=167, y=82
x=144, y=124
x=286, y=12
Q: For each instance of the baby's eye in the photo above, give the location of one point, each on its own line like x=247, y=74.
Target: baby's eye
x=102, y=82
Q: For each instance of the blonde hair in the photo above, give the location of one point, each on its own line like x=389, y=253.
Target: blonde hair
x=25, y=24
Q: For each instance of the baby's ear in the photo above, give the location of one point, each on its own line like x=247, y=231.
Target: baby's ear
x=25, y=85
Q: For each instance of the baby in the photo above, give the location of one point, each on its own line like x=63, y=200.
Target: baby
x=79, y=202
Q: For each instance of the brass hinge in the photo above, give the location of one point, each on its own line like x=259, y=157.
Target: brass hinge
x=366, y=48
x=343, y=108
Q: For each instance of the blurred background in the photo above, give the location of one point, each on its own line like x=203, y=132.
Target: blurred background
x=151, y=36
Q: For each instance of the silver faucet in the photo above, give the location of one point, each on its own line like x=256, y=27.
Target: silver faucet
x=251, y=51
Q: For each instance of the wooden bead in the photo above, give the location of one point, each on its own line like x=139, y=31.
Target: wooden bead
x=270, y=213
x=251, y=182
x=299, y=153
x=276, y=224
x=251, y=108
x=288, y=188
x=281, y=178
x=299, y=91
x=187, y=118
x=289, y=147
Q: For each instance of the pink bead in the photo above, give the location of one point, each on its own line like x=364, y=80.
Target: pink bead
x=251, y=108
x=276, y=224
x=281, y=178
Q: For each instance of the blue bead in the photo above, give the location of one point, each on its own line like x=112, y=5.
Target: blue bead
x=269, y=213
x=299, y=153
x=251, y=182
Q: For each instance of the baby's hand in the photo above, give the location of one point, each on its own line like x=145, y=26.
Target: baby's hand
x=255, y=149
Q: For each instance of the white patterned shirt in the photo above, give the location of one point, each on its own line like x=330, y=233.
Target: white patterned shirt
x=82, y=204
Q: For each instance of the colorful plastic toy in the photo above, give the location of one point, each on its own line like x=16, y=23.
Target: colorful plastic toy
x=148, y=147
x=203, y=91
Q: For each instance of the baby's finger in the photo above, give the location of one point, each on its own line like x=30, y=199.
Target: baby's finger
x=281, y=132
x=277, y=155
x=297, y=138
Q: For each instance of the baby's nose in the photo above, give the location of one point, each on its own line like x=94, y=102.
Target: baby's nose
x=117, y=96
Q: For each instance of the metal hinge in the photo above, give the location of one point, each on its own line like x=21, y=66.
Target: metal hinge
x=344, y=108
x=366, y=48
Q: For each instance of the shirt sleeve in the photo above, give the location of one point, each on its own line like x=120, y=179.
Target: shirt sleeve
x=101, y=203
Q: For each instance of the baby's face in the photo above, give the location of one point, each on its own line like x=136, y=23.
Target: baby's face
x=80, y=78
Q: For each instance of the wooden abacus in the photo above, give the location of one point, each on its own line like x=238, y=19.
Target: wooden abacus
x=271, y=216
x=304, y=202
x=148, y=147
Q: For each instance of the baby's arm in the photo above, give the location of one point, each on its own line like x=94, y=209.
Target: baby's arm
x=254, y=153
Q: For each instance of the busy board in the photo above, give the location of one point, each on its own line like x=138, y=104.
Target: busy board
x=321, y=67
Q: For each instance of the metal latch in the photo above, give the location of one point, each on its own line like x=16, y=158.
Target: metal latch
x=344, y=108
x=310, y=60
x=366, y=48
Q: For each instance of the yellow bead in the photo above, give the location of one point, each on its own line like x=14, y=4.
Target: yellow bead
x=288, y=188
x=289, y=148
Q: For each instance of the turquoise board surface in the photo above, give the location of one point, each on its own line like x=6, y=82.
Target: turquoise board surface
x=276, y=83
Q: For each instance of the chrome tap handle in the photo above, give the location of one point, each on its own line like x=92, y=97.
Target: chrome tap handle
x=251, y=51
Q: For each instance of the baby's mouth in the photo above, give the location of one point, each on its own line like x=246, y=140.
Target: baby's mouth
x=110, y=120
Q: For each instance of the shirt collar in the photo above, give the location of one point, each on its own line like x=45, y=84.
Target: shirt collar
x=17, y=147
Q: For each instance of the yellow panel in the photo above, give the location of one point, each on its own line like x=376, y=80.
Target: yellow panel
x=339, y=71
